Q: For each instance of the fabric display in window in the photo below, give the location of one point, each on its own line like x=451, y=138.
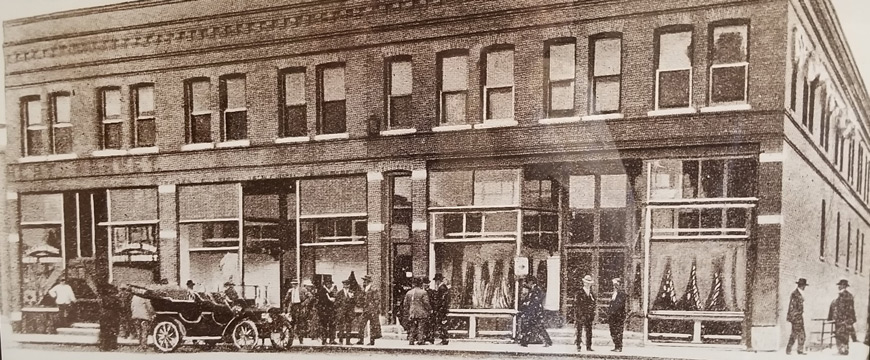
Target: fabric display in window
x=481, y=274
x=716, y=261
x=691, y=300
x=716, y=299
x=667, y=297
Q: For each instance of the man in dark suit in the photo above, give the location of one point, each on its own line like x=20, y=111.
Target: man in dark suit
x=344, y=305
x=795, y=316
x=532, y=314
x=418, y=308
x=616, y=315
x=370, y=301
x=440, y=297
x=325, y=307
x=584, y=313
x=842, y=313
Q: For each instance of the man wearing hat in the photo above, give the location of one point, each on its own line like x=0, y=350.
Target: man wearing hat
x=616, y=315
x=532, y=314
x=440, y=307
x=296, y=300
x=370, y=302
x=584, y=313
x=344, y=305
x=325, y=305
x=795, y=316
x=418, y=308
x=230, y=293
x=842, y=313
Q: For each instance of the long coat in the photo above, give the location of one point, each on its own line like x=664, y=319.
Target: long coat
x=616, y=312
x=584, y=306
x=417, y=304
x=344, y=304
x=795, y=312
x=369, y=300
x=532, y=305
x=441, y=300
x=842, y=310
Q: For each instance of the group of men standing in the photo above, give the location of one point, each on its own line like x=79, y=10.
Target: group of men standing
x=425, y=311
x=841, y=313
x=323, y=311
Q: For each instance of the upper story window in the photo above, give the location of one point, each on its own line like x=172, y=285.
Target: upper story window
x=560, y=72
x=729, y=65
x=110, y=113
x=400, y=80
x=606, y=65
x=61, y=124
x=36, y=132
x=674, y=68
x=145, y=126
x=453, y=93
x=332, y=111
x=199, y=111
x=234, y=109
x=294, y=112
x=498, y=88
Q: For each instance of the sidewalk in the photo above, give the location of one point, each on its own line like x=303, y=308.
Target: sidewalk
x=471, y=348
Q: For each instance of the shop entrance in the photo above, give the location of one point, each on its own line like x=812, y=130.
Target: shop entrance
x=401, y=251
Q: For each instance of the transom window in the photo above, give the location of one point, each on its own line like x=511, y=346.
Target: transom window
x=474, y=188
x=333, y=114
x=729, y=67
x=498, y=90
x=606, y=73
x=453, y=67
x=234, y=108
x=399, y=99
x=294, y=119
x=674, y=72
x=111, y=118
x=199, y=107
x=561, y=75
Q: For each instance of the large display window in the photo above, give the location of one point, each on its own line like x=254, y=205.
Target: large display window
x=133, y=235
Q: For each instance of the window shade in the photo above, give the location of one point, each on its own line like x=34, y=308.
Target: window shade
x=111, y=103
x=204, y=202
x=340, y=195
x=400, y=83
x=454, y=73
x=34, y=112
x=562, y=62
x=199, y=92
x=675, y=51
x=235, y=92
x=145, y=100
x=133, y=204
x=333, y=84
x=500, y=68
x=608, y=57
x=294, y=88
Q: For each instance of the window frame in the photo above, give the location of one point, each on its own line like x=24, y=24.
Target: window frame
x=463, y=53
x=42, y=126
x=549, y=83
x=55, y=124
x=106, y=120
x=191, y=115
x=140, y=117
x=226, y=111
x=593, y=77
x=673, y=29
x=388, y=89
x=283, y=125
x=321, y=102
x=486, y=88
x=712, y=66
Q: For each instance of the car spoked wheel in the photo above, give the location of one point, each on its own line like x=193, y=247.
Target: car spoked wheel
x=245, y=335
x=281, y=336
x=167, y=336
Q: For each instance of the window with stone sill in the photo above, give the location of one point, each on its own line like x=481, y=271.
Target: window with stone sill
x=332, y=109
x=400, y=86
x=606, y=65
x=560, y=69
x=294, y=110
x=674, y=68
x=199, y=107
x=145, y=123
x=112, y=123
x=498, y=88
x=36, y=133
x=234, y=109
x=729, y=65
x=453, y=87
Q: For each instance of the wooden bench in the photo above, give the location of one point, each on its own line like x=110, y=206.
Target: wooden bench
x=474, y=314
x=697, y=317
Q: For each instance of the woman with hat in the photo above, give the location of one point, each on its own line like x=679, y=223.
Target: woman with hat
x=842, y=313
x=584, y=313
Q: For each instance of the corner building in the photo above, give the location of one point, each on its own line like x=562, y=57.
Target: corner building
x=708, y=152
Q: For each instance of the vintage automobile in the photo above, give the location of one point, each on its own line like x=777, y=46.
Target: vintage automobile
x=208, y=318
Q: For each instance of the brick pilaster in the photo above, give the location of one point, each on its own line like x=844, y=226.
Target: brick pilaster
x=168, y=213
x=420, y=221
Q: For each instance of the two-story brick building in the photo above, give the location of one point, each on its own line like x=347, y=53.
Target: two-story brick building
x=708, y=152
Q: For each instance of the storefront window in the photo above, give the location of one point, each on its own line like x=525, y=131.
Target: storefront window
x=481, y=274
x=132, y=229
x=210, y=235
x=41, y=245
x=713, y=178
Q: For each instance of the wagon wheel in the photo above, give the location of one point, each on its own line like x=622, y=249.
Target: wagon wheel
x=167, y=336
x=282, y=337
x=245, y=335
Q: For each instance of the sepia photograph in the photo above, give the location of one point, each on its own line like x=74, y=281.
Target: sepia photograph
x=435, y=179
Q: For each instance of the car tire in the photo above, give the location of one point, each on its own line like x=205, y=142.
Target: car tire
x=282, y=339
x=245, y=335
x=167, y=336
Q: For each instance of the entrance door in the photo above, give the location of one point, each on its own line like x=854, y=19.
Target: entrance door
x=599, y=225
x=401, y=255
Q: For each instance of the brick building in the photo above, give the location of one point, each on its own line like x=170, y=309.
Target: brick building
x=708, y=152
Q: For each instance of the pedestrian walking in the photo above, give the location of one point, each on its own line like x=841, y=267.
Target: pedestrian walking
x=325, y=307
x=64, y=298
x=297, y=298
x=584, y=313
x=842, y=313
x=110, y=317
x=616, y=315
x=370, y=301
x=532, y=315
x=344, y=307
x=795, y=316
x=440, y=307
x=417, y=307
x=143, y=315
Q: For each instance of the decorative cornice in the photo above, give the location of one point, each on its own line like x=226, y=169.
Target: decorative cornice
x=227, y=29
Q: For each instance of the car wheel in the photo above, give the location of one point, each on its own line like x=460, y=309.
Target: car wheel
x=282, y=337
x=167, y=336
x=245, y=335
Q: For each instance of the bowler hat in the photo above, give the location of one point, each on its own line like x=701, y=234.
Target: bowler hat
x=190, y=283
x=587, y=279
x=367, y=277
x=843, y=282
x=802, y=282
x=294, y=281
x=229, y=283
